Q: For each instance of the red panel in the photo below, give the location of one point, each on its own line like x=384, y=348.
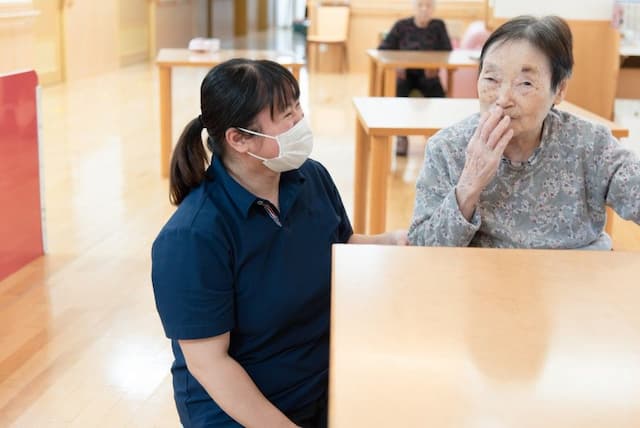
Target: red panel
x=20, y=214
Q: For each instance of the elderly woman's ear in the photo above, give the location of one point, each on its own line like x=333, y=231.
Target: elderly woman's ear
x=561, y=91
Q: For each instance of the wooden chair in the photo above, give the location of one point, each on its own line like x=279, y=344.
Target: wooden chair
x=330, y=26
x=465, y=80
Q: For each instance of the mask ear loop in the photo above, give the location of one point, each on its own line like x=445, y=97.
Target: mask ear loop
x=204, y=137
x=248, y=131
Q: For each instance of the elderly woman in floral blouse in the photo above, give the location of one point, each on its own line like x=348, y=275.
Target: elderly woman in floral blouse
x=521, y=173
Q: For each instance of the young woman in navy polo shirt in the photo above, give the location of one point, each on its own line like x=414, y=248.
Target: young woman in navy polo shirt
x=241, y=271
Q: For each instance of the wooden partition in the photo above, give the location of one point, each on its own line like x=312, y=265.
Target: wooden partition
x=239, y=17
x=59, y=39
x=133, y=26
x=17, y=37
x=263, y=15
x=90, y=38
x=66, y=33
x=49, y=63
x=596, y=47
x=173, y=24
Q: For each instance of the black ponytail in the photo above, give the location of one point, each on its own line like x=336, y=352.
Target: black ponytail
x=188, y=162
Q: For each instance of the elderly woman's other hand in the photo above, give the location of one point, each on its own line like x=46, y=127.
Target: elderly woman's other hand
x=482, y=158
x=398, y=237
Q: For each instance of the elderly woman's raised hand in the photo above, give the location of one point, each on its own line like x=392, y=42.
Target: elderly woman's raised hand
x=483, y=156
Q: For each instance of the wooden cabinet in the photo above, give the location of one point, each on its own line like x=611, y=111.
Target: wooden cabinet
x=17, y=38
x=133, y=31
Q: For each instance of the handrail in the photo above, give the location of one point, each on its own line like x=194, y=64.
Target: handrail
x=169, y=2
x=17, y=15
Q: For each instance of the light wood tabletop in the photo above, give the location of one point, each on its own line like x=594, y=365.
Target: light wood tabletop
x=169, y=58
x=630, y=50
x=379, y=118
x=188, y=58
x=383, y=65
x=467, y=337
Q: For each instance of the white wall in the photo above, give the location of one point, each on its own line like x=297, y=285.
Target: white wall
x=199, y=12
x=223, y=19
x=572, y=9
x=288, y=10
x=252, y=14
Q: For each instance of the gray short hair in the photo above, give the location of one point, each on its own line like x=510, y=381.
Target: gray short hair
x=551, y=34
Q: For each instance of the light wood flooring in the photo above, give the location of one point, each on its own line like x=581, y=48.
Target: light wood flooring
x=80, y=341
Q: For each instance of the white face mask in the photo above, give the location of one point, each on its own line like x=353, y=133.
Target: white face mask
x=295, y=146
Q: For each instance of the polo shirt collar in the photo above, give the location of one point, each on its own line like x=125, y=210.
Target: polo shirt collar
x=241, y=197
x=290, y=183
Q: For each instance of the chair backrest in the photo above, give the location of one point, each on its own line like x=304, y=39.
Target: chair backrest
x=465, y=80
x=475, y=36
x=332, y=22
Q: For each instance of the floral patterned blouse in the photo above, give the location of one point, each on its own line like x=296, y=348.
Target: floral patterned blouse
x=556, y=199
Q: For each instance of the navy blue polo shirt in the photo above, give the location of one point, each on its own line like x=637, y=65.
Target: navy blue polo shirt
x=229, y=261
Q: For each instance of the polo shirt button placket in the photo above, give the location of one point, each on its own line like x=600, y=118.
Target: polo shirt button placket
x=270, y=211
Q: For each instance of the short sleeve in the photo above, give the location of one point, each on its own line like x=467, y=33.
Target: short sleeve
x=192, y=284
x=345, y=230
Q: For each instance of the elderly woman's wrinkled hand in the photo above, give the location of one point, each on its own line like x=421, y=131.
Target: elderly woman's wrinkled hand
x=483, y=156
x=485, y=149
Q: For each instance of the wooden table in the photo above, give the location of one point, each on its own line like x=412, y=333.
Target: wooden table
x=379, y=118
x=169, y=58
x=467, y=337
x=629, y=73
x=383, y=65
x=630, y=50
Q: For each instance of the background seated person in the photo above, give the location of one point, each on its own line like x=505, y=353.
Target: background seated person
x=419, y=32
x=521, y=173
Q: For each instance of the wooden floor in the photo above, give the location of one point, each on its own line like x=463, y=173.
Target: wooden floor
x=80, y=341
